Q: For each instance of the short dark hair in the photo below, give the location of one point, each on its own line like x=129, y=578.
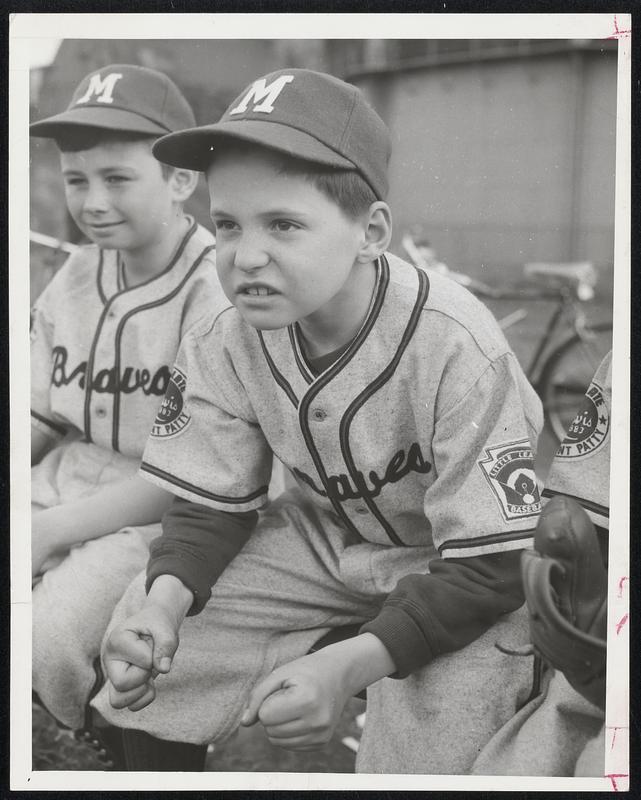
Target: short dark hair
x=82, y=137
x=345, y=187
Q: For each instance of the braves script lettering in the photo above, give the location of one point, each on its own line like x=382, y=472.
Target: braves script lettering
x=340, y=487
x=105, y=381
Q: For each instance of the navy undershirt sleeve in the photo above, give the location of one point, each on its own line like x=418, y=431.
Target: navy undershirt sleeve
x=196, y=545
x=429, y=615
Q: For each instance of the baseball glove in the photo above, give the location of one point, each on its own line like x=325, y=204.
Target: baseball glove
x=565, y=584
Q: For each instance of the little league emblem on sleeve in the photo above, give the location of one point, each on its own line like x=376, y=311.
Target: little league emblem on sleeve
x=509, y=470
x=172, y=418
x=589, y=428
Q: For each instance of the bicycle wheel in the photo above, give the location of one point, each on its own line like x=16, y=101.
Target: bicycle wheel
x=567, y=373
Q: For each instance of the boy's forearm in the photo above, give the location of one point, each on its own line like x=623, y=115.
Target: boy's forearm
x=428, y=615
x=361, y=661
x=172, y=594
x=127, y=503
x=197, y=544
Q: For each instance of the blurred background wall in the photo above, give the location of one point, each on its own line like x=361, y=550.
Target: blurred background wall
x=503, y=150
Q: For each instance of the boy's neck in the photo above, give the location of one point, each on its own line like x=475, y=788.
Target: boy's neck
x=338, y=323
x=146, y=263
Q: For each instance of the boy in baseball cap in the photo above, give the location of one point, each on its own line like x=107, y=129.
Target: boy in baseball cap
x=406, y=422
x=105, y=333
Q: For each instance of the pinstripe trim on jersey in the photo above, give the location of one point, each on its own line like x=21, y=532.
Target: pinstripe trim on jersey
x=589, y=505
x=190, y=487
x=53, y=425
x=372, y=388
x=378, y=295
x=125, y=319
x=176, y=258
x=280, y=379
x=99, y=273
x=120, y=273
x=484, y=541
x=299, y=356
x=89, y=369
x=328, y=376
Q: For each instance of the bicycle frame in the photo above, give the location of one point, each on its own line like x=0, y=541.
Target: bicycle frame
x=537, y=360
x=565, y=306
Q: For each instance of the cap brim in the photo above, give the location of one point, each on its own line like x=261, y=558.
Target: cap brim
x=113, y=119
x=194, y=148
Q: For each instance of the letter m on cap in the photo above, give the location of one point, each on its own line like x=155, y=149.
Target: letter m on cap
x=262, y=96
x=101, y=88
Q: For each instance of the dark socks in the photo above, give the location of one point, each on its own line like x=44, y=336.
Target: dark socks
x=145, y=753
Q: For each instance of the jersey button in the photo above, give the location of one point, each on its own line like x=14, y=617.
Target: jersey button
x=101, y=412
x=319, y=414
x=362, y=510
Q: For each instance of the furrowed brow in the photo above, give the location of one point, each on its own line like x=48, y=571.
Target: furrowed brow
x=117, y=168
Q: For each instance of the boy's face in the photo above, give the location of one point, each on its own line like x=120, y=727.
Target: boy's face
x=117, y=195
x=284, y=251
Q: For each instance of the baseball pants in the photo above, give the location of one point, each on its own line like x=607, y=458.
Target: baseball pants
x=548, y=736
x=300, y=575
x=73, y=601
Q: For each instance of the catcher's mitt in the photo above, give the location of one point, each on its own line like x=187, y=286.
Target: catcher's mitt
x=565, y=584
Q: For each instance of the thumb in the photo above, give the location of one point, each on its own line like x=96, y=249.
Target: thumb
x=165, y=644
x=260, y=693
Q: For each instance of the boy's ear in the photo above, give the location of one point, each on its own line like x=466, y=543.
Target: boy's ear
x=183, y=183
x=378, y=232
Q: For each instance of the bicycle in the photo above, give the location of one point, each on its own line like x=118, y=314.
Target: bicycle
x=570, y=347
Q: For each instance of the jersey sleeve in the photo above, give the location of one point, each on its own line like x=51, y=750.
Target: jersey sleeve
x=196, y=545
x=485, y=498
x=428, y=615
x=41, y=335
x=581, y=466
x=205, y=444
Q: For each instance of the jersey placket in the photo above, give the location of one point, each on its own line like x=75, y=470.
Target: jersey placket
x=320, y=417
x=101, y=379
x=104, y=395
x=325, y=422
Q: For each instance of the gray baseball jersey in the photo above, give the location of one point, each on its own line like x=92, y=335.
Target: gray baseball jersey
x=581, y=466
x=101, y=354
x=420, y=433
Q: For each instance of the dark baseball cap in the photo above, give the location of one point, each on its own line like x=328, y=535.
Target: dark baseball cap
x=122, y=97
x=306, y=114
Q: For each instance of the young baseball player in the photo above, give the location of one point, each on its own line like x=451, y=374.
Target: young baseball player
x=105, y=333
x=394, y=401
x=562, y=733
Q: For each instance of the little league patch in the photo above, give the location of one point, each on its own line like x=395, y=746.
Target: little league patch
x=589, y=428
x=509, y=470
x=172, y=418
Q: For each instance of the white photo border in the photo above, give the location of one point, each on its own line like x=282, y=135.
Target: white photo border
x=25, y=30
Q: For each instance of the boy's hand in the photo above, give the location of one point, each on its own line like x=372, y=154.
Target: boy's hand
x=300, y=703
x=136, y=652
x=144, y=645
